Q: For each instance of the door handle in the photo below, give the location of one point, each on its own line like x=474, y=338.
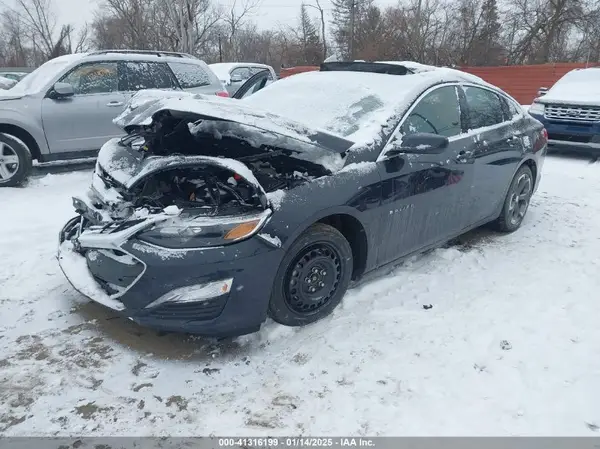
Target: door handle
x=114, y=104
x=464, y=156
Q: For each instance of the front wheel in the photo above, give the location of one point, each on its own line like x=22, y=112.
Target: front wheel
x=312, y=278
x=516, y=202
x=15, y=161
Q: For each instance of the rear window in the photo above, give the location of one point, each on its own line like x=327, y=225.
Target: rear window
x=190, y=75
x=148, y=75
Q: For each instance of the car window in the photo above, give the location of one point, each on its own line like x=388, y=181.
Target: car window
x=243, y=72
x=485, y=108
x=255, y=87
x=256, y=70
x=189, y=75
x=148, y=75
x=93, y=78
x=437, y=113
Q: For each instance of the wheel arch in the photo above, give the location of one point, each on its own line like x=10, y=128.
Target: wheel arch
x=345, y=220
x=533, y=167
x=23, y=135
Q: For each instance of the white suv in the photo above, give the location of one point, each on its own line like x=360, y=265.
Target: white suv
x=65, y=108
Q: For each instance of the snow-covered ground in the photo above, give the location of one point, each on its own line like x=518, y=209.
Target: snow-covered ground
x=509, y=346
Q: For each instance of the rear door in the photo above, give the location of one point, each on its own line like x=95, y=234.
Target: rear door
x=496, y=131
x=425, y=196
x=84, y=121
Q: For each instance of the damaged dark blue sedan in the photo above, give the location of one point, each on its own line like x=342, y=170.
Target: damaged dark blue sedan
x=212, y=214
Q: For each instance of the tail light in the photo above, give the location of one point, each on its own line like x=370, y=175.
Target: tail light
x=222, y=93
x=542, y=141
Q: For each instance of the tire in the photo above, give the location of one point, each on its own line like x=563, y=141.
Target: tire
x=516, y=202
x=320, y=259
x=13, y=174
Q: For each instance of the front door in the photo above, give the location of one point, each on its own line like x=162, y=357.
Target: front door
x=84, y=121
x=425, y=196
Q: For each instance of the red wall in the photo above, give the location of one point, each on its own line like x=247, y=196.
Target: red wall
x=523, y=81
x=520, y=81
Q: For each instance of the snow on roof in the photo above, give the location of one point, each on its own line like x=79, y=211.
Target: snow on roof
x=417, y=67
x=577, y=87
x=355, y=105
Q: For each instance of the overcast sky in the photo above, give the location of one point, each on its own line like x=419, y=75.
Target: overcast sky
x=270, y=14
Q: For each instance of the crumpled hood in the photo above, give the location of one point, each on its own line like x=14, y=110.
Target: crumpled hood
x=128, y=166
x=146, y=104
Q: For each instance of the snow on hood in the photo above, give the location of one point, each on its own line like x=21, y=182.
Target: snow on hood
x=578, y=87
x=37, y=80
x=145, y=104
x=355, y=105
x=6, y=83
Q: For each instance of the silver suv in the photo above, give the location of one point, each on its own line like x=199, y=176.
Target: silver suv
x=64, y=109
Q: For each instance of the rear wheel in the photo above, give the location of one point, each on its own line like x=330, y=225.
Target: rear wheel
x=312, y=278
x=516, y=202
x=15, y=161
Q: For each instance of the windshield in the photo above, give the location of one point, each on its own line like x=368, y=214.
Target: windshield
x=38, y=79
x=350, y=104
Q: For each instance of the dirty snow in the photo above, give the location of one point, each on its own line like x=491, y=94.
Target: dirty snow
x=496, y=335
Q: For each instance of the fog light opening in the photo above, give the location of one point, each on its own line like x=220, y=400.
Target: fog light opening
x=194, y=293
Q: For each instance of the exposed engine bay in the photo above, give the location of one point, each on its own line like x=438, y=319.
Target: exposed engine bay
x=209, y=188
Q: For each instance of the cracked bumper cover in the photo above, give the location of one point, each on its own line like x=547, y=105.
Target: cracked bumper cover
x=130, y=276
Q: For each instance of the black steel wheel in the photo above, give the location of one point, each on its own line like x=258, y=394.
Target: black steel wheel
x=517, y=201
x=313, y=277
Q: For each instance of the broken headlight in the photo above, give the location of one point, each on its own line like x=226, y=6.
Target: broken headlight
x=201, y=232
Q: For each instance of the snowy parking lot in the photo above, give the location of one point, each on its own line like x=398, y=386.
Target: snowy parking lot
x=509, y=345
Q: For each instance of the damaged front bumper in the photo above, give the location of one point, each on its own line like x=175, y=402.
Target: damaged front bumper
x=217, y=291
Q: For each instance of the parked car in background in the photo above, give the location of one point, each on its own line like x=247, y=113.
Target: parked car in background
x=65, y=108
x=570, y=111
x=211, y=215
x=6, y=83
x=234, y=74
x=16, y=76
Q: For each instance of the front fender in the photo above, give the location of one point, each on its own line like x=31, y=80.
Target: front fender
x=25, y=113
x=353, y=193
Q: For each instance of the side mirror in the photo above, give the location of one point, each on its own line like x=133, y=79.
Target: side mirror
x=63, y=90
x=420, y=143
x=542, y=91
x=236, y=78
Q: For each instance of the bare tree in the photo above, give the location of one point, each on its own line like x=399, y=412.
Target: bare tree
x=234, y=19
x=319, y=8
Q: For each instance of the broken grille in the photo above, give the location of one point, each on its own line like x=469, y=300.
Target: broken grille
x=573, y=113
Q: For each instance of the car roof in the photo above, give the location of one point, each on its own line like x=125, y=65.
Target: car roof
x=130, y=55
x=233, y=65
